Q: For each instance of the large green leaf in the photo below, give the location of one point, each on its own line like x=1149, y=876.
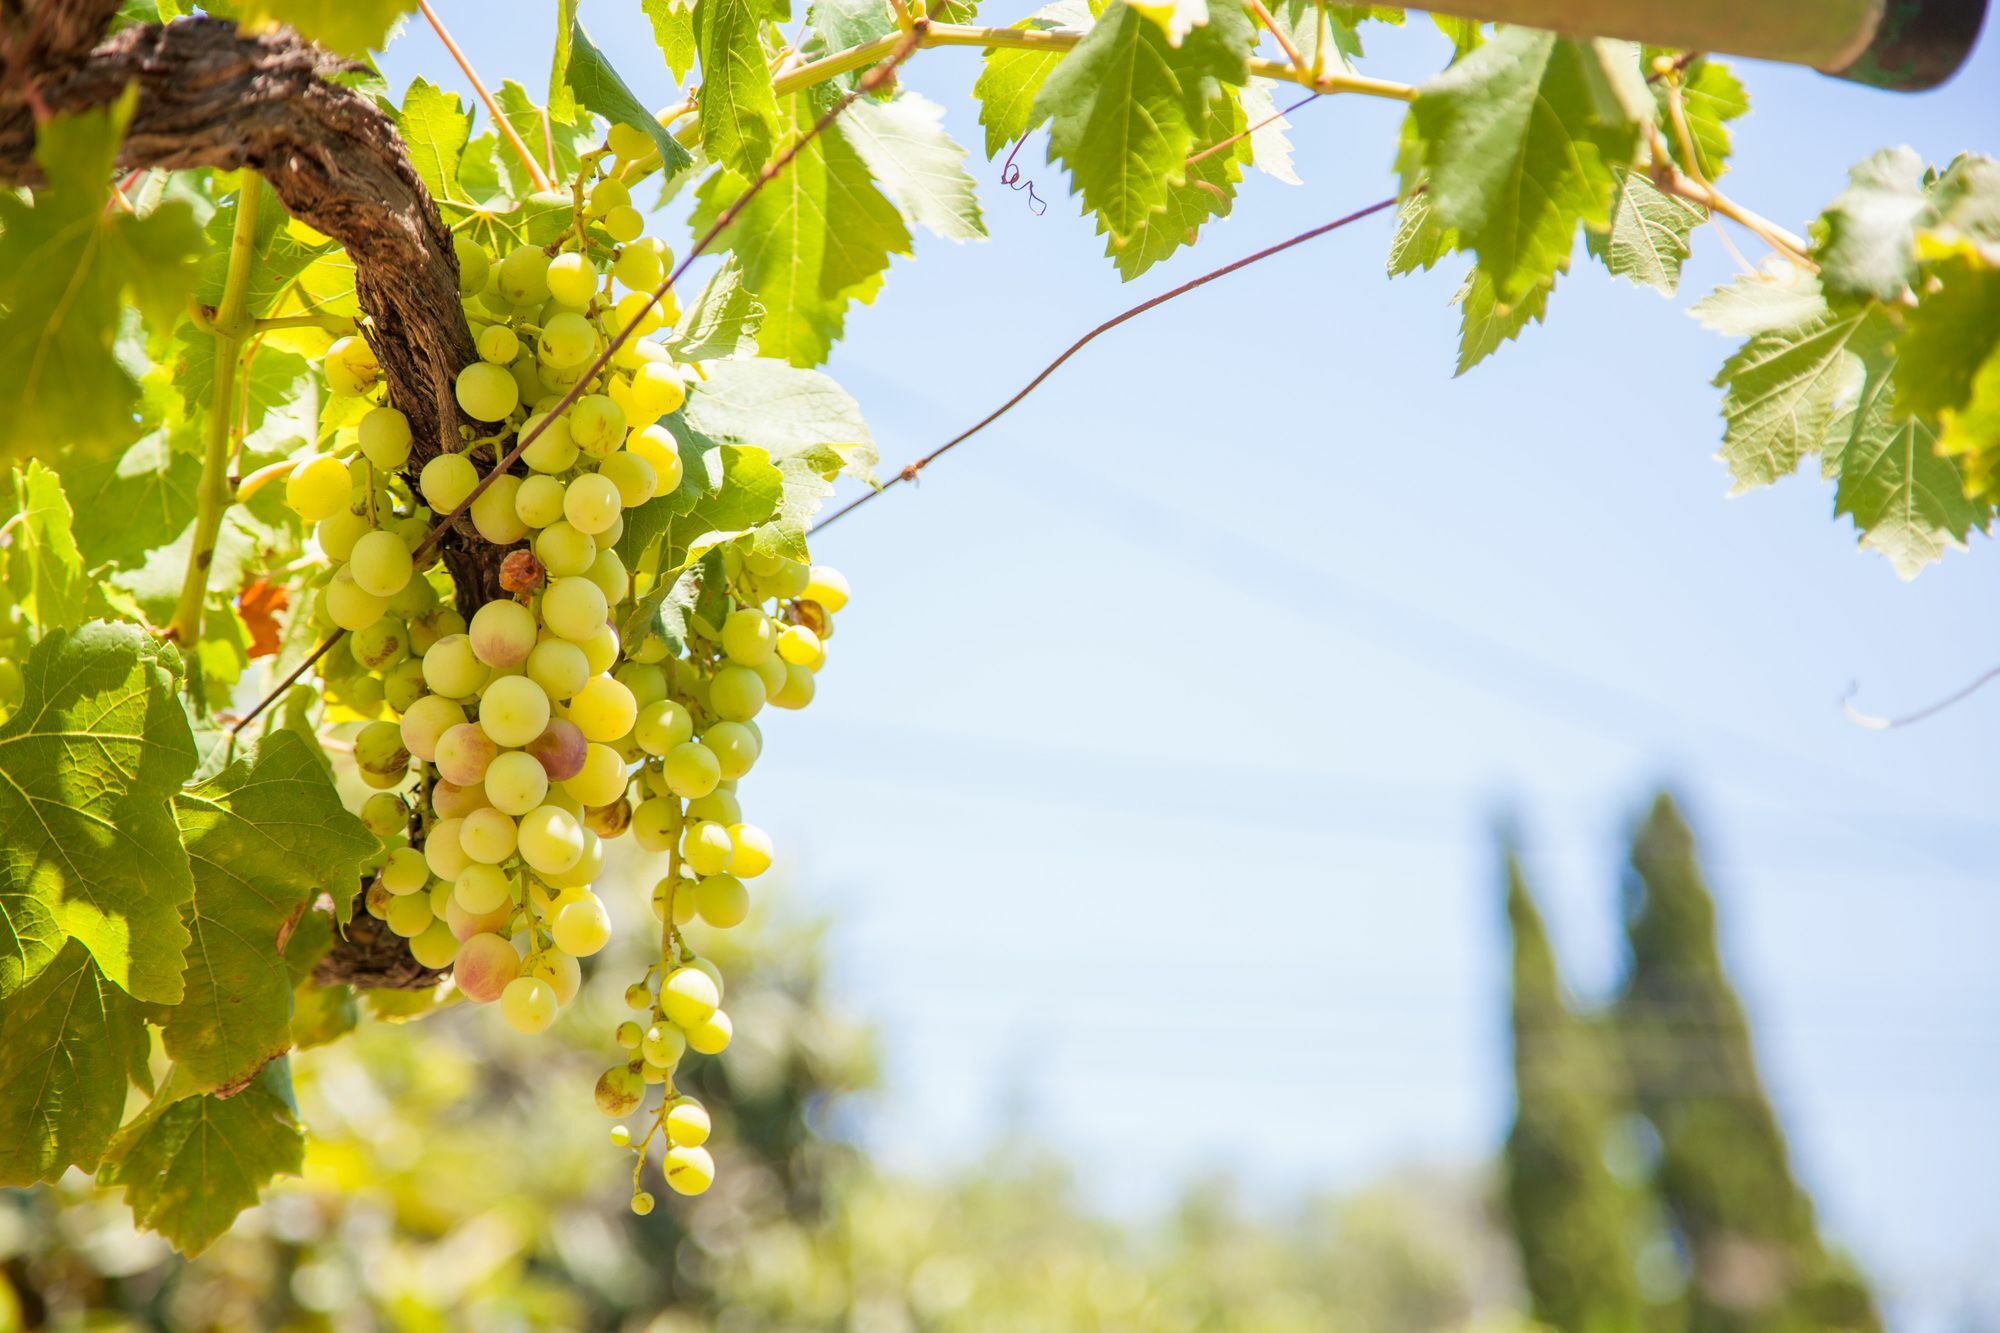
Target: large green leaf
x=1649, y=233
x=1124, y=108
x=1868, y=236
x=1485, y=322
x=1907, y=499
x=1711, y=97
x=351, y=27
x=69, y=1043
x=903, y=143
x=44, y=567
x=813, y=241
x=673, y=31
x=739, y=114
x=265, y=837
x=597, y=87
x=190, y=1164
x=69, y=267
x=782, y=409
x=839, y=24
x=1516, y=145
x=127, y=505
x=701, y=477
x=721, y=321
x=89, y=850
x=1010, y=79
x=1209, y=190
x=435, y=128
x=1793, y=378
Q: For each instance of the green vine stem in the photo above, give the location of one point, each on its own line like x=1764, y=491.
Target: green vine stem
x=230, y=323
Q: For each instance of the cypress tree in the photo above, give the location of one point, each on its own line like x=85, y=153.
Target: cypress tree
x=1724, y=1176
x=1571, y=1218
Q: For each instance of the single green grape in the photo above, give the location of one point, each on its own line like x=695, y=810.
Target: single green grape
x=385, y=437
x=513, y=711
x=498, y=344
x=516, y=782
x=736, y=693
x=318, y=488
x=446, y=480
x=574, y=607
x=523, y=278
x=572, y=281
x=529, y=1003
x=591, y=503
x=487, y=392
x=567, y=341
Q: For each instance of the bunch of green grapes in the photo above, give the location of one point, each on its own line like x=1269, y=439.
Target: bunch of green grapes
x=509, y=748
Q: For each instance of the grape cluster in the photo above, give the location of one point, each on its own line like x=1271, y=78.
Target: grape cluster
x=508, y=748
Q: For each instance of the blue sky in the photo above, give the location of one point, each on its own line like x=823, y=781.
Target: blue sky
x=1151, y=781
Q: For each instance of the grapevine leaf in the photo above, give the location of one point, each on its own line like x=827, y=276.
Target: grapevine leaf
x=562, y=102
x=1323, y=36
x=954, y=11
x=280, y=249
x=701, y=477
x=1270, y=149
x=278, y=382
x=1952, y=332
x=1869, y=245
x=598, y=88
x=840, y=24
x=1420, y=240
x=903, y=143
x=722, y=321
x=129, y=504
x=1649, y=233
x=1516, y=143
x=265, y=837
x=748, y=491
x=44, y=567
x=1175, y=18
x=1009, y=80
x=1907, y=499
x=1208, y=192
x=817, y=238
x=1124, y=106
x=1795, y=376
x=784, y=409
x=1485, y=323
x=69, y=266
x=435, y=127
x=666, y=609
x=1711, y=97
x=544, y=134
x=89, y=764
x=190, y=1165
x=69, y=1043
x=351, y=27
x=808, y=480
x=673, y=31
x=1972, y=430
x=739, y=114
x=155, y=585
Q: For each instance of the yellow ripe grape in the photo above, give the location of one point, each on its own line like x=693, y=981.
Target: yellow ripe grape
x=687, y=1123
x=827, y=586
x=719, y=806
x=350, y=366
x=442, y=853
x=452, y=669
x=440, y=896
x=575, y=608
x=567, y=343
x=609, y=574
x=799, y=646
x=639, y=267
x=551, y=451
x=385, y=438
x=410, y=916
x=736, y=748
x=528, y=1004
x=381, y=564
x=426, y=720
x=655, y=824
x=689, y=1170
x=714, y=974
x=561, y=971
x=624, y=224
x=691, y=770
x=498, y=344
x=628, y=142
x=446, y=480
x=564, y=551
x=602, y=779
x=647, y=683
x=487, y=392
x=550, y=839
x=642, y=1202
x=722, y=901
x=661, y=727
x=712, y=1036
x=632, y=475
x=590, y=503
x=513, y=711
x=736, y=693
x=494, y=512
x=603, y=709
x=436, y=946
x=473, y=265
x=772, y=672
x=559, y=667
x=572, y=281
x=597, y=424
x=338, y=532
x=706, y=848
x=608, y=194
x=799, y=688
x=538, y=502
x=502, y=634
x=528, y=379
x=404, y=872
x=523, y=278
x=516, y=782
x=581, y=926
x=600, y=650
x=656, y=445
x=487, y=836
x=748, y=636
x=351, y=606
x=318, y=488
x=753, y=850
x=663, y=1045
x=482, y=886
x=688, y=997
x=658, y=388
x=587, y=868
x=639, y=306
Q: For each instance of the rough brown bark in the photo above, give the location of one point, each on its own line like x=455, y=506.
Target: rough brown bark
x=210, y=96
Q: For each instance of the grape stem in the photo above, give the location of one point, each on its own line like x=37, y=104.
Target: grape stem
x=500, y=122
x=228, y=324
